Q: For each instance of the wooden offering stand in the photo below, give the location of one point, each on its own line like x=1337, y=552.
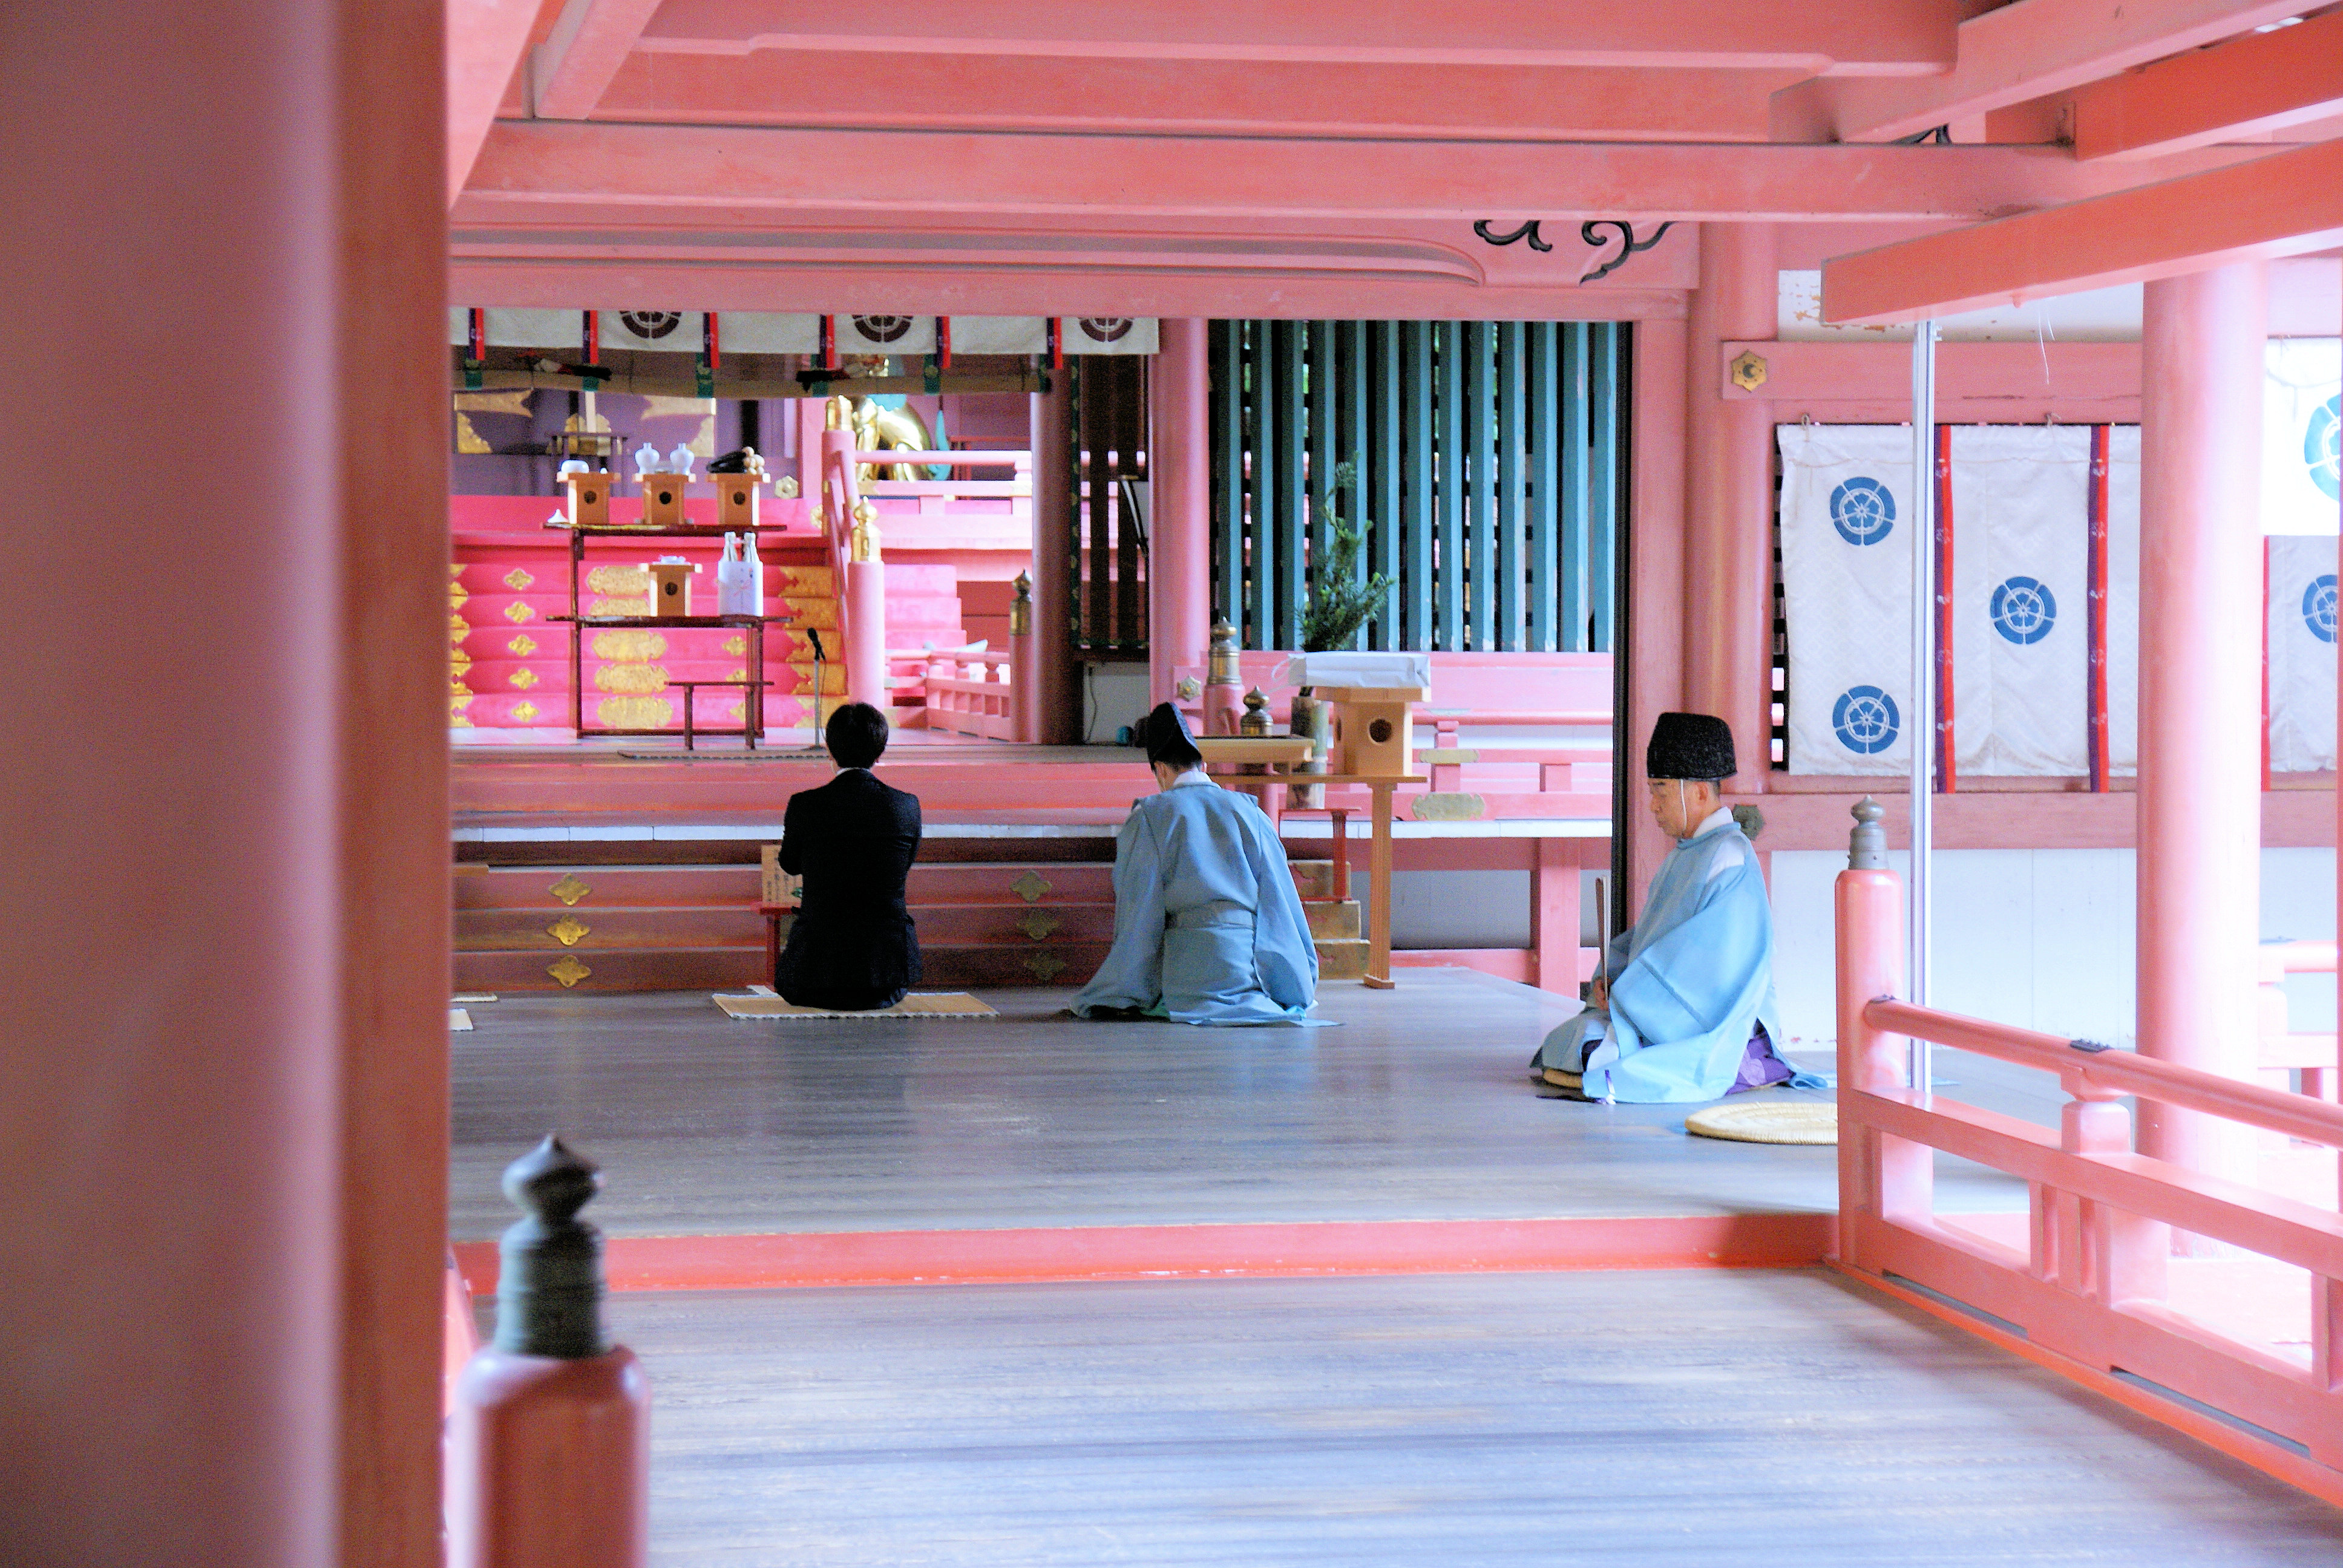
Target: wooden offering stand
x=1288, y=751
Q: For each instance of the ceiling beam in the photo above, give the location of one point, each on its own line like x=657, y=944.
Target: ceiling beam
x=536, y=171
x=573, y=68
x=2286, y=203
x=1053, y=93
x=2036, y=47
x=2259, y=83
x=484, y=42
x=1877, y=37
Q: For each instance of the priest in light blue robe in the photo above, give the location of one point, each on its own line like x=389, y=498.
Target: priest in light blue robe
x=1208, y=927
x=1683, y=1004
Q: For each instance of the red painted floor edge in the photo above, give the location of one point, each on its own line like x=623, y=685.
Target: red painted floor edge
x=1767, y=1240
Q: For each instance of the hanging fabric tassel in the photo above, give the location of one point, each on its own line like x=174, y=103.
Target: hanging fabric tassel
x=1057, y=345
x=943, y=342
x=593, y=337
x=710, y=354
x=830, y=343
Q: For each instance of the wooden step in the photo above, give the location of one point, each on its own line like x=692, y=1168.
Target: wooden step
x=589, y=931
x=1340, y=960
x=649, y=969
x=1335, y=922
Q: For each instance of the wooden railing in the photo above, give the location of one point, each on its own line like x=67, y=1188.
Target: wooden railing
x=2282, y=1049
x=2090, y=1288
x=969, y=694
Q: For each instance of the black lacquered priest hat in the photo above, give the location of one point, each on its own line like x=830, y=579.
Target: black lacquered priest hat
x=1689, y=745
x=1168, y=739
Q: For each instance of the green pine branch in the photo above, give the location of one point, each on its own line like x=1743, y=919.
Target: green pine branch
x=1340, y=603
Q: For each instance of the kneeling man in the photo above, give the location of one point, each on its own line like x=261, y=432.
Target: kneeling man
x=1208, y=927
x=1684, y=1003
x=851, y=948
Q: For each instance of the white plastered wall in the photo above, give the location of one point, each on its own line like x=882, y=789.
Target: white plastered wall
x=2041, y=938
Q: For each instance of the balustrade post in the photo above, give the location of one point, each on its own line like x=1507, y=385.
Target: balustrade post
x=549, y=1442
x=1879, y=1178
x=2098, y=1251
x=1024, y=711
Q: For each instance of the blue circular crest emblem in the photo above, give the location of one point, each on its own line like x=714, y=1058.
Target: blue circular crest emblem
x=2319, y=607
x=1863, y=511
x=2322, y=448
x=1866, y=719
x=2023, y=610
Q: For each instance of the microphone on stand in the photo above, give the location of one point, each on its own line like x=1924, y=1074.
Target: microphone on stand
x=815, y=638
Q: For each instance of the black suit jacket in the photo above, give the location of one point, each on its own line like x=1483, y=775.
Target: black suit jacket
x=853, y=840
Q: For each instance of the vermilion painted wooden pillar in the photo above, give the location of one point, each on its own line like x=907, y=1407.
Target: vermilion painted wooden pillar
x=2200, y=693
x=1728, y=564
x=1180, y=533
x=1656, y=574
x=224, y=908
x=1057, y=699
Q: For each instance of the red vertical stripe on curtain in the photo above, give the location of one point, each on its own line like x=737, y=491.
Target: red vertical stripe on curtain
x=2096, y=620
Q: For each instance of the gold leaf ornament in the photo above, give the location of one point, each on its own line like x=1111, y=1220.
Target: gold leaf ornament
x=568, y=930
x=567, y=970
x=630, y=679
x=1030, y=887
x=1044, y=967
x=569, y=889
x=521, y=644
x=524, y=678
x=1037, y=923
x=518, y=579
x=525, y=712
x=629, y=647
x=519, y=612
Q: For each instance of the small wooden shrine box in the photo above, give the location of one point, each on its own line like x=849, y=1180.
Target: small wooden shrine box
x=590, y=500
x=670, y=587
x=1372, y=728
x=736, y=501
x=663, y=500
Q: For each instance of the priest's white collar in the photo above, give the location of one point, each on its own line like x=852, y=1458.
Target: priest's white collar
x=1193, y=776
x=1720, y=818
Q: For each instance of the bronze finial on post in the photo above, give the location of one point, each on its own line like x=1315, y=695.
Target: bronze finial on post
x=1867, y=845
x=549, y=1275
x=549, y=1426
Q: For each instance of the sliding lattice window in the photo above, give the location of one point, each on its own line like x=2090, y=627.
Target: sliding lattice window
x=1489, y=468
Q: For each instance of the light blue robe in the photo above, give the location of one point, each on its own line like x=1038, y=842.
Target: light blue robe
x=1689, y=981
x=1208, y=927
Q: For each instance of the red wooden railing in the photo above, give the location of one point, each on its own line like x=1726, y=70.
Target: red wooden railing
x=2090, y=1289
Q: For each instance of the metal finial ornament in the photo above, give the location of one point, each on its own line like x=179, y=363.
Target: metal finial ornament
x=1222, y=667
x=550, y=1273
x=1867, y=845
x=1256, y=713
x=1020, y=609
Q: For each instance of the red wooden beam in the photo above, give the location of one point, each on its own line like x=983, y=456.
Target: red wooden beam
x=2259, y=83
x=2014, y=53
x=2287, y=204
x=484, y=42
x=1261, y=97
x=1892, y=37
x=542, y=170
x=573, y=68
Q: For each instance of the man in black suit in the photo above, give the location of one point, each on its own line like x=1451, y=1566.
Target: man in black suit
x=851, y=948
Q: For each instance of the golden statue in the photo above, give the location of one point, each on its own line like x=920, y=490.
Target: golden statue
x=881, y=430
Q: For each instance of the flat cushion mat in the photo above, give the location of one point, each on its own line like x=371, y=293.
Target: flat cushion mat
x=1767, y=1121
x=918, y=1004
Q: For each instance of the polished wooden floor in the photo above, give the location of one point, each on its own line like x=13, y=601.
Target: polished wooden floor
x=1419, y=1107
x=1644, y=1420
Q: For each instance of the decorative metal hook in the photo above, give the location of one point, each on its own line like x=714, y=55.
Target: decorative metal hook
x=1935, y=136
x=1527, y=231
x=1629, y=244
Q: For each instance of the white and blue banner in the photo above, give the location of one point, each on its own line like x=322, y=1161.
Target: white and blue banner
x=2021, y=556
x=2302, y=417
x=1846, y=584
x=2019, y=512
x=2301, y=669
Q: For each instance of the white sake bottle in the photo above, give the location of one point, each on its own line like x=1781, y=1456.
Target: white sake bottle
x=752, y=589
x=679, y=461
x=727, y=577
